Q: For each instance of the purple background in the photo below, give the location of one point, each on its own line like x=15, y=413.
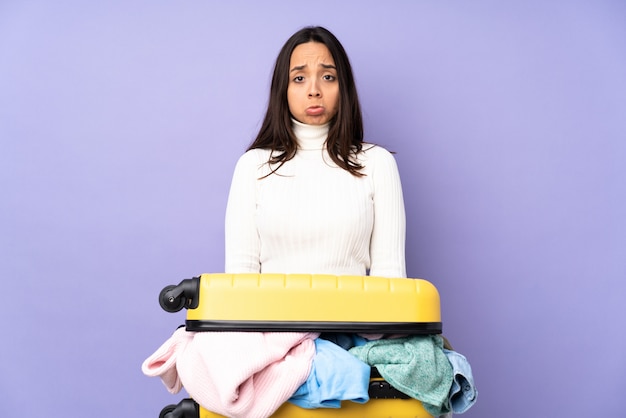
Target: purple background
x=121, y=121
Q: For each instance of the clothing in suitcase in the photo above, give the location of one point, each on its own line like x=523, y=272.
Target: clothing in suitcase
x=315, y=304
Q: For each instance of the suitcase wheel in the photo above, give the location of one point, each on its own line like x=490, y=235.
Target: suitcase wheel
x=167, y=411
x=173, y=298
x=187, y=408
x=169, y=302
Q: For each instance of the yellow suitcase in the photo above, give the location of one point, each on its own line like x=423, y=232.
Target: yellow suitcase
x=379, y=408
x=316, y=303
x=297, y=302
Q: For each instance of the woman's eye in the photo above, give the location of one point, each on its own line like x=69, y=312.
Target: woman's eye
x=298, y=79
x=329, y=77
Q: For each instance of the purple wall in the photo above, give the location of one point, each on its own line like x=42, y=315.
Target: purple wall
x=120, y=123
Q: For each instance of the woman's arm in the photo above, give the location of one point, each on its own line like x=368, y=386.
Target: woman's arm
x=387, y=246
x=242, y=245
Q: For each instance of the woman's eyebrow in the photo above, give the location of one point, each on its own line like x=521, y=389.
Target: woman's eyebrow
x=302, y=67
x=297, y=68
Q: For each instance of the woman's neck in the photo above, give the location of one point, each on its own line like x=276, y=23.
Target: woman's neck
x=310, y=137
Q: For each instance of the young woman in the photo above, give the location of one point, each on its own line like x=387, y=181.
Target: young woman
x=309, y=196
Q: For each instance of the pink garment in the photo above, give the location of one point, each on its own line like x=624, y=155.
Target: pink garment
x=236, y=374
x=163, y=362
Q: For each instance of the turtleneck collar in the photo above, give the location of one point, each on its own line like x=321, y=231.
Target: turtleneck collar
x=310, y=137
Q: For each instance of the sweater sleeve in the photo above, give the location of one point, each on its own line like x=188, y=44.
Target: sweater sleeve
x=242, y=243
x=387, y=246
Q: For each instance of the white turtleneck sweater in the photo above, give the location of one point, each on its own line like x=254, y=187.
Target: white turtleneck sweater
x=313, y=217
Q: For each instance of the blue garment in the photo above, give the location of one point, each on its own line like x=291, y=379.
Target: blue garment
x=336, y=375
x=463, y=392
x=344, y=340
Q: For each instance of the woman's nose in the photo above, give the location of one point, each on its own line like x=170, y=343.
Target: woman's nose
x=314, y=90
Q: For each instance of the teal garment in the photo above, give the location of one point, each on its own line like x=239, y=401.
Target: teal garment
x=416, y=366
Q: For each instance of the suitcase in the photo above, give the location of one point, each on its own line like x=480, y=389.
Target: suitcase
x=315, y=303
x=379, y=408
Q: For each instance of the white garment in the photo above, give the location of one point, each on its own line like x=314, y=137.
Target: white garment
x=313, y=217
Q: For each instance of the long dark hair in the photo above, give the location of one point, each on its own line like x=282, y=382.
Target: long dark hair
x=345, y=135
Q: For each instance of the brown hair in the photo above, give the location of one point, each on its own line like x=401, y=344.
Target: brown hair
x=345, y=135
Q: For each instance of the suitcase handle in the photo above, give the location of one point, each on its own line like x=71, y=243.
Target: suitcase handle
x=173, y=298
x=381, y=389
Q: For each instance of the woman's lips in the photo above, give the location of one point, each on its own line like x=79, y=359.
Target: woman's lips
x=314, y=110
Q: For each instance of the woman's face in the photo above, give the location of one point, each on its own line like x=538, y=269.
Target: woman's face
x=313, y=90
